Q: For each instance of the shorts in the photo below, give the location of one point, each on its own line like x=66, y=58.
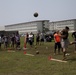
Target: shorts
x=65, y=43
x=42, y=40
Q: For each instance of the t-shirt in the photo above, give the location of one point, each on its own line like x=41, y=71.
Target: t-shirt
x=65, y=34
x=0, y=39
x=31, y=37
x=17, y=38
x=13, y=38
x=74, y=34
x=6, y=39
x=57, y=37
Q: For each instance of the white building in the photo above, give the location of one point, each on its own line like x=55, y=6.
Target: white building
x=40, y=25
x=33, y=26
x=59, y=25
x=2, y=28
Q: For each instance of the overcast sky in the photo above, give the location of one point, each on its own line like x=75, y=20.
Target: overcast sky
x=18, y=11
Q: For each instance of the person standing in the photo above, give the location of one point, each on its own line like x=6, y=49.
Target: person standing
x=42, y=38
x=5, y=42
x=17, y=38
x=31, y=39
x=74, y=36
x=25, y=42
x=37, y=39
x=0, y=41
x=57, y=39
x=13, y=40
x=27, y=38
x=64, y=41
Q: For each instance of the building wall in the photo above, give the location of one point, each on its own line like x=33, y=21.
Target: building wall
x=59, y=25
x=75, y=25
x=33, y=26
x=2, y=28
x=28, y=27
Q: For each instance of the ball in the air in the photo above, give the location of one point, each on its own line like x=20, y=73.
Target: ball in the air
x=35, y=14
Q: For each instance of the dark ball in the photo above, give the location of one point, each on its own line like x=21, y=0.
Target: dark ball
x=35, y=14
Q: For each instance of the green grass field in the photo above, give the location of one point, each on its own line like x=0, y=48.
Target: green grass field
x=17, y=63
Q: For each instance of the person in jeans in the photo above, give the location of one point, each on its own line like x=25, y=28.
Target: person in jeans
x=17, y=37
x=57, y=39
x=13, y=40
x=31, y=39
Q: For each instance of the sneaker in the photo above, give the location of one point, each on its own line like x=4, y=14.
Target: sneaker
x=67, y=54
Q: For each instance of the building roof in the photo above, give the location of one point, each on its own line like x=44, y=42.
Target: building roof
x=27, y=22
x=64, y=20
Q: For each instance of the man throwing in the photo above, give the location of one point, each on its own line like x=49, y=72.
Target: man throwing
x=64, y=41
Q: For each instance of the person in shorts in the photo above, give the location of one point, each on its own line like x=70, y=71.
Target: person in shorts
x=74, y=42
x=64, y=41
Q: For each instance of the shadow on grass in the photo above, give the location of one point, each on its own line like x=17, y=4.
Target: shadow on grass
x=72, y=59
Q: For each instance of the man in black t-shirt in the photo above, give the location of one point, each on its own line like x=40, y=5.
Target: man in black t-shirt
x=64, y=40
x=74, y=34
x=13, y=40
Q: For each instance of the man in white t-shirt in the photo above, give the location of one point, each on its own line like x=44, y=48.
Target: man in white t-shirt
x=31, y=39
